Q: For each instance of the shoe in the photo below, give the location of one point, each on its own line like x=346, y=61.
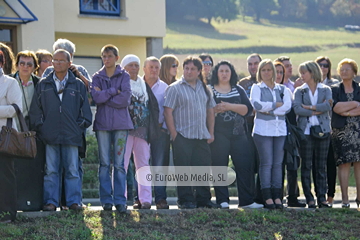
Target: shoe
x=187, y=205
x=137, y=204
x=296, y=203
x=279, y=206
x=253, y=206
x=64, y=208
x=324, y=205
x=269, y=206
x=162, y=204
x=107, y=207
x=224, y=205
x=121, y=208
x=345, y=205
x=208, y=204
x=330, y=201
x=357, y=202
x=312, y=205
x=146, y=205
x=49, y=207
x=76, y=207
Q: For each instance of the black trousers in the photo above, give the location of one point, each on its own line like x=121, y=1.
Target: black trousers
x=192, y=152
x=8, y=198
x=238, y=147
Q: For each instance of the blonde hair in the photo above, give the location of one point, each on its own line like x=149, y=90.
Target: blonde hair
x=313, y=68
x=166, y=64
x=349, y=61
x=261, y=65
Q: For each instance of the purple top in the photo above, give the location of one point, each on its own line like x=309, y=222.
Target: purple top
x=112, y=107
x=289, y=85
x=159, y=91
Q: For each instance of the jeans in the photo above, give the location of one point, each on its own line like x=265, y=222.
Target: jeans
x=160, y=155
x=271, y=153
x=67, y=157
x=112, y=190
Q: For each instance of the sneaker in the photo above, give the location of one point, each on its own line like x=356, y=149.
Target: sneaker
x=187, y=205
x=208, y=204
x=162, y=204
x=107, y=207
x=145, y=205
x=224, y=205
x=253, y=205
x=121, y=208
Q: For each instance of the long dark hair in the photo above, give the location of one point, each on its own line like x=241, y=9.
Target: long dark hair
x=322, y=58
x=198, y=63
x=214, y=75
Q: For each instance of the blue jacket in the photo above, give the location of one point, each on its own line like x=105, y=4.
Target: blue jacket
x=56, y=121
x=112, y=107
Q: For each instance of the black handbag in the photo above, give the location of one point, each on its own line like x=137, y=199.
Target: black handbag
x=316, y=132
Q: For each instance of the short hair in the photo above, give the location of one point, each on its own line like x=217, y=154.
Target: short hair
x=110, y=48
x=254, y=55
x=325, y=58
x=204, y=56
x=67, y=54
x=282, y=59
x=277, y=63
x=152, y=59
x=9, y=59
x=313, y=68
x=352, y=63
x=166, y=63
x=41, y=54
x=29, y=54
x=65, y=44
x=261, y=65
x=214, y=76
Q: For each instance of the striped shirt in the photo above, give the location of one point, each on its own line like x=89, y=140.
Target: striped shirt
x=189, y=108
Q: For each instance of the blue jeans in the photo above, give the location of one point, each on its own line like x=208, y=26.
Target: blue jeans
x=112, y=190
x=66, y=157
x=160, y=154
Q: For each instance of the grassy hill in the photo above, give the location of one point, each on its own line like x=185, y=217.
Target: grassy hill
x=235, y=40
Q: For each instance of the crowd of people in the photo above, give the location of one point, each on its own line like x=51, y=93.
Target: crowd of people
x=206, y=116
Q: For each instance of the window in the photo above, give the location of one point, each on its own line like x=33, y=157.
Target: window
x=100, y=7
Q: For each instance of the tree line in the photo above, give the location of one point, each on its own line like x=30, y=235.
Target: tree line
x=330, y=12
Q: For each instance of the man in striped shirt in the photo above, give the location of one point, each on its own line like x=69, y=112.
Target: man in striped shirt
x=190, y=119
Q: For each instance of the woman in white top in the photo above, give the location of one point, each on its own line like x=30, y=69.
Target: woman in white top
x=312, y=105
x=271, y=102
x=10, y=93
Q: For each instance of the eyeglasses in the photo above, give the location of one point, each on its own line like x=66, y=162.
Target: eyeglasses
x=59, y=61
x=28, y=64
x=209, y=63
x=280, y=72
x=324, y=65
x=174, y=66
x=345, y=69
x=46, y=61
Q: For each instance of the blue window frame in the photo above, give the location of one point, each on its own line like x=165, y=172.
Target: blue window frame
x=100, y=7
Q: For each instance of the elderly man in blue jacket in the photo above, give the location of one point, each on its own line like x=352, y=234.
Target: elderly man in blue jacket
x=60, y=112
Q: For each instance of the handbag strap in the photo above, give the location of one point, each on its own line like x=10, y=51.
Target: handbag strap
x=23, y=126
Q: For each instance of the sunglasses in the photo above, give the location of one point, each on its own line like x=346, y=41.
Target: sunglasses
x=29, y=64
x=209, y=63
x=174, y=66
x=324, y=65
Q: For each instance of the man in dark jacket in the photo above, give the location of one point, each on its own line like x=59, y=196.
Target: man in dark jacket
x=60, y=113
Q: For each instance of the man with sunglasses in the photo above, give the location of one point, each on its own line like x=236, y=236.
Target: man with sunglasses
x=60, y=112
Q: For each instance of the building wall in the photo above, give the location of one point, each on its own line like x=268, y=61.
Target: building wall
x=142, y=18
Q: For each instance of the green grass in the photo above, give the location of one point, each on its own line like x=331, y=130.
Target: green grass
x=235, y=40
x=194, y=224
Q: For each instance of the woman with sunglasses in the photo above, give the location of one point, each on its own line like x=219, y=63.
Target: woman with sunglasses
x=208, y=64
x=312, y=104
x=325, y=65
x=26, y=64
x=44, y=61
x=169, y=67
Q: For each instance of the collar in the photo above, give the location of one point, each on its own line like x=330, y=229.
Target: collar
x=263, y=85
x=318, y=85
x=65, y=78
x=30, y=81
